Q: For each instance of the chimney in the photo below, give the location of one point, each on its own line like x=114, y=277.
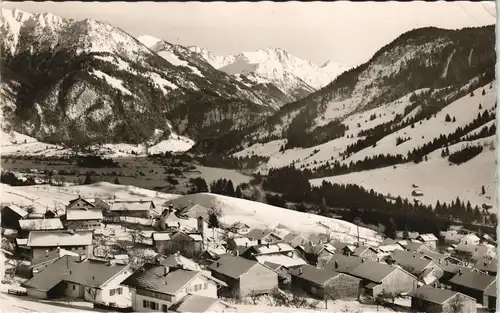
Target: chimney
x=217, y=264
x=246, y=244
x=81, y=257
x=459, y=271
x=267, y=245
x=301, y=271
x=165, y=270
x=259, y=242
x=237, y=253
x=108, y=263
x=362, y=260
x=336, y=264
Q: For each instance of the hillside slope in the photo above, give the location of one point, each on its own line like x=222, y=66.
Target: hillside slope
x=104, y=86
x=445, y=61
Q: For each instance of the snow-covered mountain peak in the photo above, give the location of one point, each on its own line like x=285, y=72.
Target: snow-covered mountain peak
x=292, y=75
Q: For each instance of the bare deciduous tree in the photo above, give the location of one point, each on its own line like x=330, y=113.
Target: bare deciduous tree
x=457, y=304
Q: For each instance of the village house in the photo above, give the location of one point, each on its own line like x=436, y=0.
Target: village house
x=44, y=260
x=101, y=204
x=243, y=277
x=429, y=240
x=488, y=265
x=317, y=255
x=82, y=214
x=263, y=236
x=294, y=240
x=472, y=283
x=42, y=242
x=323, y=283
x=427, y=271
x=343, y=263
x=211, y=255
x=10, y=216
x=378, y=278
x=279, y=253
x=451, y=236
x=160, y=240
x=48, y=224
x=159, y=287
x=78, y=277
x=367, y=253
x=488, y=239
x=470, y=239
x=434, y=300
x=284, y=277
x=472, y=253
x=490, y=297
x=140, y=209
x=239, y=228
x=232, y=243
x=389, y=245
x=50, y=213
x=188, y=244
x=411, y=235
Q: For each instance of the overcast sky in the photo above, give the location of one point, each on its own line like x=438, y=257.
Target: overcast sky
x=345, y=32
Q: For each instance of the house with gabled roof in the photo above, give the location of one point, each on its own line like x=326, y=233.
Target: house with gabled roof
x=429, y=299
x=279, y=253
x=42, y=261
x=474, y=252
x=78, y=277
x=82, y=214
x=377, y=278
x=296, y=239
x=141, y=209
x=243, y=277
x=472, y=283
x=42, y=242
x=317, y=282
x=430, y=240
x=317, y=255
x=263, y=236
x=426, y=270
x=10, y=216
x=159, y=287
x=239, y=228
x=188, y=244
x=367, y=253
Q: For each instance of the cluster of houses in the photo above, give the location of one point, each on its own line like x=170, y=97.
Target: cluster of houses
x=194, y=272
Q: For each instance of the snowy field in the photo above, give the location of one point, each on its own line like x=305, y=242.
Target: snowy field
x=261, y=215
x=436, y=178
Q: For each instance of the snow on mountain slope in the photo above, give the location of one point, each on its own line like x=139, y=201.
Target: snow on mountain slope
x=148, y=40
x=465, y=110
x=261, y=215
x=436, y=178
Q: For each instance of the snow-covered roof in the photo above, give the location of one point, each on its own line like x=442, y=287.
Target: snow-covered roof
x=59, y=238
x=390, y=248
x=161, y=236
x=21, y=241
x=273, y=248
x=196, y=237
x=428, y=237
x=79, y=215
x=41, y=224
x=17, y=209
x=281, y=260
x=131, y=206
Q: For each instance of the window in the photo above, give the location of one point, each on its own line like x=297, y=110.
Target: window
x=145, y=303
x=187, y=289
x=119, y=290
x=205, y=285
x=164, y=308
x=74, y=287
x=153, y=305
x=112, y=292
